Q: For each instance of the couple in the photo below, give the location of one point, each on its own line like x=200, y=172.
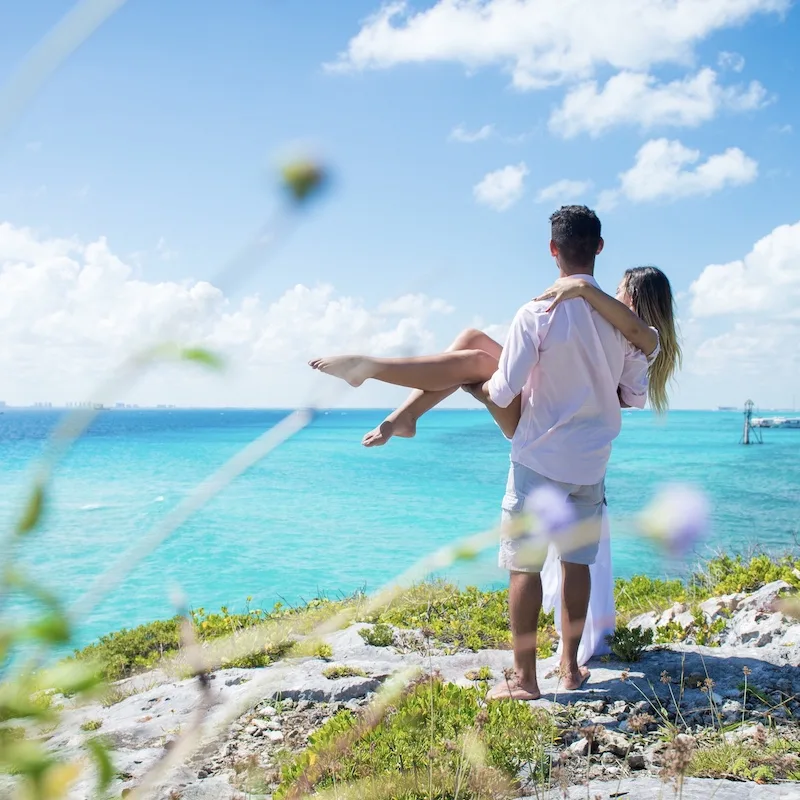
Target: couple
x=572, y=358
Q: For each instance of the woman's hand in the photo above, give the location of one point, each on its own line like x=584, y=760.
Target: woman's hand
x=563, y=289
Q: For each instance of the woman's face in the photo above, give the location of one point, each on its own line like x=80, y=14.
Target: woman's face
x=623, y=296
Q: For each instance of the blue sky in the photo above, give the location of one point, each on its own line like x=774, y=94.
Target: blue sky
x=159, y=137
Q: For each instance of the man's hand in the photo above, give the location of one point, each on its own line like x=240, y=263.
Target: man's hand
x=478, y=391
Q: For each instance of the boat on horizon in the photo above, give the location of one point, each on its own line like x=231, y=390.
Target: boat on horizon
x=776, y=422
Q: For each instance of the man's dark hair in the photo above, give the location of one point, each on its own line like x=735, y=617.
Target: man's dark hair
x=576, y=232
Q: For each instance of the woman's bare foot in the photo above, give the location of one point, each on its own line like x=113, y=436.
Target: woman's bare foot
x=515, y=688
x=353, y=369
x=571, y=680
x=403, y=425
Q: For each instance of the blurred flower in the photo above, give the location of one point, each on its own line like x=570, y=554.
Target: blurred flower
x=303, y=178
x=677, y=517
x=551, y=512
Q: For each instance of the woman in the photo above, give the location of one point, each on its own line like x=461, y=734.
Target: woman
x=643, y=312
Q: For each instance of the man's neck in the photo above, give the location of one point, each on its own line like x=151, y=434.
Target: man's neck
x=569, y=270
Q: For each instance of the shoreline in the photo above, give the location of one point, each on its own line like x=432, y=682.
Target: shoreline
x=729, y=702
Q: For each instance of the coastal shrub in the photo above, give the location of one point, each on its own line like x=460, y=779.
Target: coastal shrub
x=469, y=618
x=480, y=674
x=732, y=574
x=640, y=594
x=338, y=671
x=766, y=762
x=424, y=740
x=452, y=618
x=627, y=644
x=380, y=635
x=313, y=648
x=133, y=650
x=92, y=725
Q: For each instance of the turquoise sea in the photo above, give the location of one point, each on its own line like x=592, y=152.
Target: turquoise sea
x=323, y=515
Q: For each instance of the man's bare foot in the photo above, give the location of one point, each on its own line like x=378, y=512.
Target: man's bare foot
x=571, y=680
x=353, y=369
x=404, y=426
x=515, y=688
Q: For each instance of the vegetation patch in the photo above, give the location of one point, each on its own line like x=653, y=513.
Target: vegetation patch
x=438, y=741
x=338, y=671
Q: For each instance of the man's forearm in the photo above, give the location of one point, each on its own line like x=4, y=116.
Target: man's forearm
x=507, y=419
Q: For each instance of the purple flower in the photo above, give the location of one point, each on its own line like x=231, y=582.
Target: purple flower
x=677, y=517
x=551, y=511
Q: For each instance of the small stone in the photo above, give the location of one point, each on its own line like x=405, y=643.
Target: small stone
x=252, y=730
x=596, y=706
x=606, y=720
x=302, y=705
x=203, y=773
x=261, y=724
x=617, y=708
x=636, y=761
x=579, y=748
x=274, y=736
x=613, y=742
x=731, y=708
x=608, y=758
x=268, y=711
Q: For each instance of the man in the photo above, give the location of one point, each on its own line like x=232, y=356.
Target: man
x=572, y=370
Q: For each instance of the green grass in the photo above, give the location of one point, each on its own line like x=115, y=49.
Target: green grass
x=452, y=619
x=419, y=750
x=778, y=759
x=130, y=651
x=92, y=725
x=338, y=671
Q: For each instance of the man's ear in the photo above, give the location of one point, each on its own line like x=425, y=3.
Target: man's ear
x=554, y=249
x=600, y=245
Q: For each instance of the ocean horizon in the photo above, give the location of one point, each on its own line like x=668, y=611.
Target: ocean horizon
x=322, y=515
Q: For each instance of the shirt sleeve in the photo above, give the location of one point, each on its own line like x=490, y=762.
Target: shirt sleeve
x=520, y=355
x=633, y=381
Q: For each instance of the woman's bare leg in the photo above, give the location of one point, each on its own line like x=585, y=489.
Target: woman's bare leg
x=403, y=421
x=431, y=373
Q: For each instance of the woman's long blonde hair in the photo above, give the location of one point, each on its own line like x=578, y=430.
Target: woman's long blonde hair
x=652, y=300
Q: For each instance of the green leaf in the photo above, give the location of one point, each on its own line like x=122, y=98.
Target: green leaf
x=206, y=358
x=33, y=511
x=71, y=678
x=52, y=628
x=27, y=758
x=105, y=768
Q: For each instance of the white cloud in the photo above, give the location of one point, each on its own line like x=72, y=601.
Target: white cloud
x=563, y=191
x=542, y=43
x=502, y=188
x=667, y=170
x=461, y=134
x=766, y=280
x=731, y=61
x=638, y=99
x=746, y=322
x=71, y=311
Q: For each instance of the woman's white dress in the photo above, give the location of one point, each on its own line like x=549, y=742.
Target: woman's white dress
x=600, y=620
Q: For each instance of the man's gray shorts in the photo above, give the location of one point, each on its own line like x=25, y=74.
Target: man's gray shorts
x=526, y=554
